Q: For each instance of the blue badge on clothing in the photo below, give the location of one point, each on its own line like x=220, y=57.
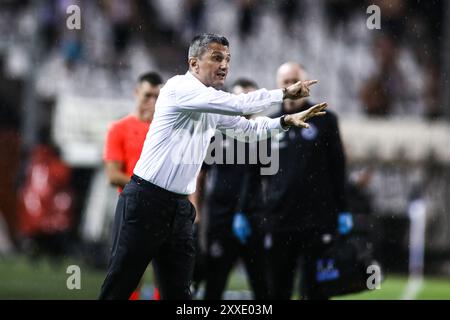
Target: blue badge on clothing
x=310, y=133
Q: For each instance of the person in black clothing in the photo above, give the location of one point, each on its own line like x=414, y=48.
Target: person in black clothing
x=305, y=197
x=232, y=225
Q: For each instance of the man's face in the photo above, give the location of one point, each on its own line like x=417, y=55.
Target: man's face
x=212, y=67
x=287, y=75
x=146, y=95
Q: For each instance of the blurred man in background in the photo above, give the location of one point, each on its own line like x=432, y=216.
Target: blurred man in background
x=125, y=137
x=305, y=197
x=232, y=227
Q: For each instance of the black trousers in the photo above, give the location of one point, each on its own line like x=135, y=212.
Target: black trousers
x=151, y=223
x=224, y=250
x=291, y=252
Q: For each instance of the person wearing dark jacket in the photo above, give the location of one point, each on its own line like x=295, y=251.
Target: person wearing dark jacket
x=306, y=198
x=231, y=216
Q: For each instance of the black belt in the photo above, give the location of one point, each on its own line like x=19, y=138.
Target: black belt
x=156, y=189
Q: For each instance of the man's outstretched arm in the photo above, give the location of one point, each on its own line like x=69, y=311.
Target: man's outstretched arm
x=262, y=126
x=207, y=99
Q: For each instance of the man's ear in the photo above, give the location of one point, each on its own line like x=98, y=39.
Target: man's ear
x=193, y=64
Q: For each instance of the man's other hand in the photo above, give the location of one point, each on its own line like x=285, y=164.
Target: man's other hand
x=298, y=90
x=298, y=119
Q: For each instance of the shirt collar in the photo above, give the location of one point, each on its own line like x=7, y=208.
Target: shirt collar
x=191, y=76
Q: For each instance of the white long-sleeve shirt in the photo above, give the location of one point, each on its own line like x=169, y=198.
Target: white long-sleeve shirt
x=187, y=113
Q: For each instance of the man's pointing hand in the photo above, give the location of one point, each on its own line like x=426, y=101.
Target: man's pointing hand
x=298, y=90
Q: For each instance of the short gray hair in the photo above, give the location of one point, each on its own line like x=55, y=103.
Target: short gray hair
x=201, y=42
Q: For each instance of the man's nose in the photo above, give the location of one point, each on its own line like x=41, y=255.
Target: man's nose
x=224, y=65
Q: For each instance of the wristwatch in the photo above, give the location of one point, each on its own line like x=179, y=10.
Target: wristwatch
x=284, y=93
x=283, y=122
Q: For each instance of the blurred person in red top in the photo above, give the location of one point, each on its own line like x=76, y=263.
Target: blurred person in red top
x=125, y=137
x=45, y=203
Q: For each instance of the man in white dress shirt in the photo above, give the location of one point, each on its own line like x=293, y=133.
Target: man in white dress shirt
x=154, y=216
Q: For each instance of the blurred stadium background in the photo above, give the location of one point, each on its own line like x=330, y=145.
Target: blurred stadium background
x=60, y=88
